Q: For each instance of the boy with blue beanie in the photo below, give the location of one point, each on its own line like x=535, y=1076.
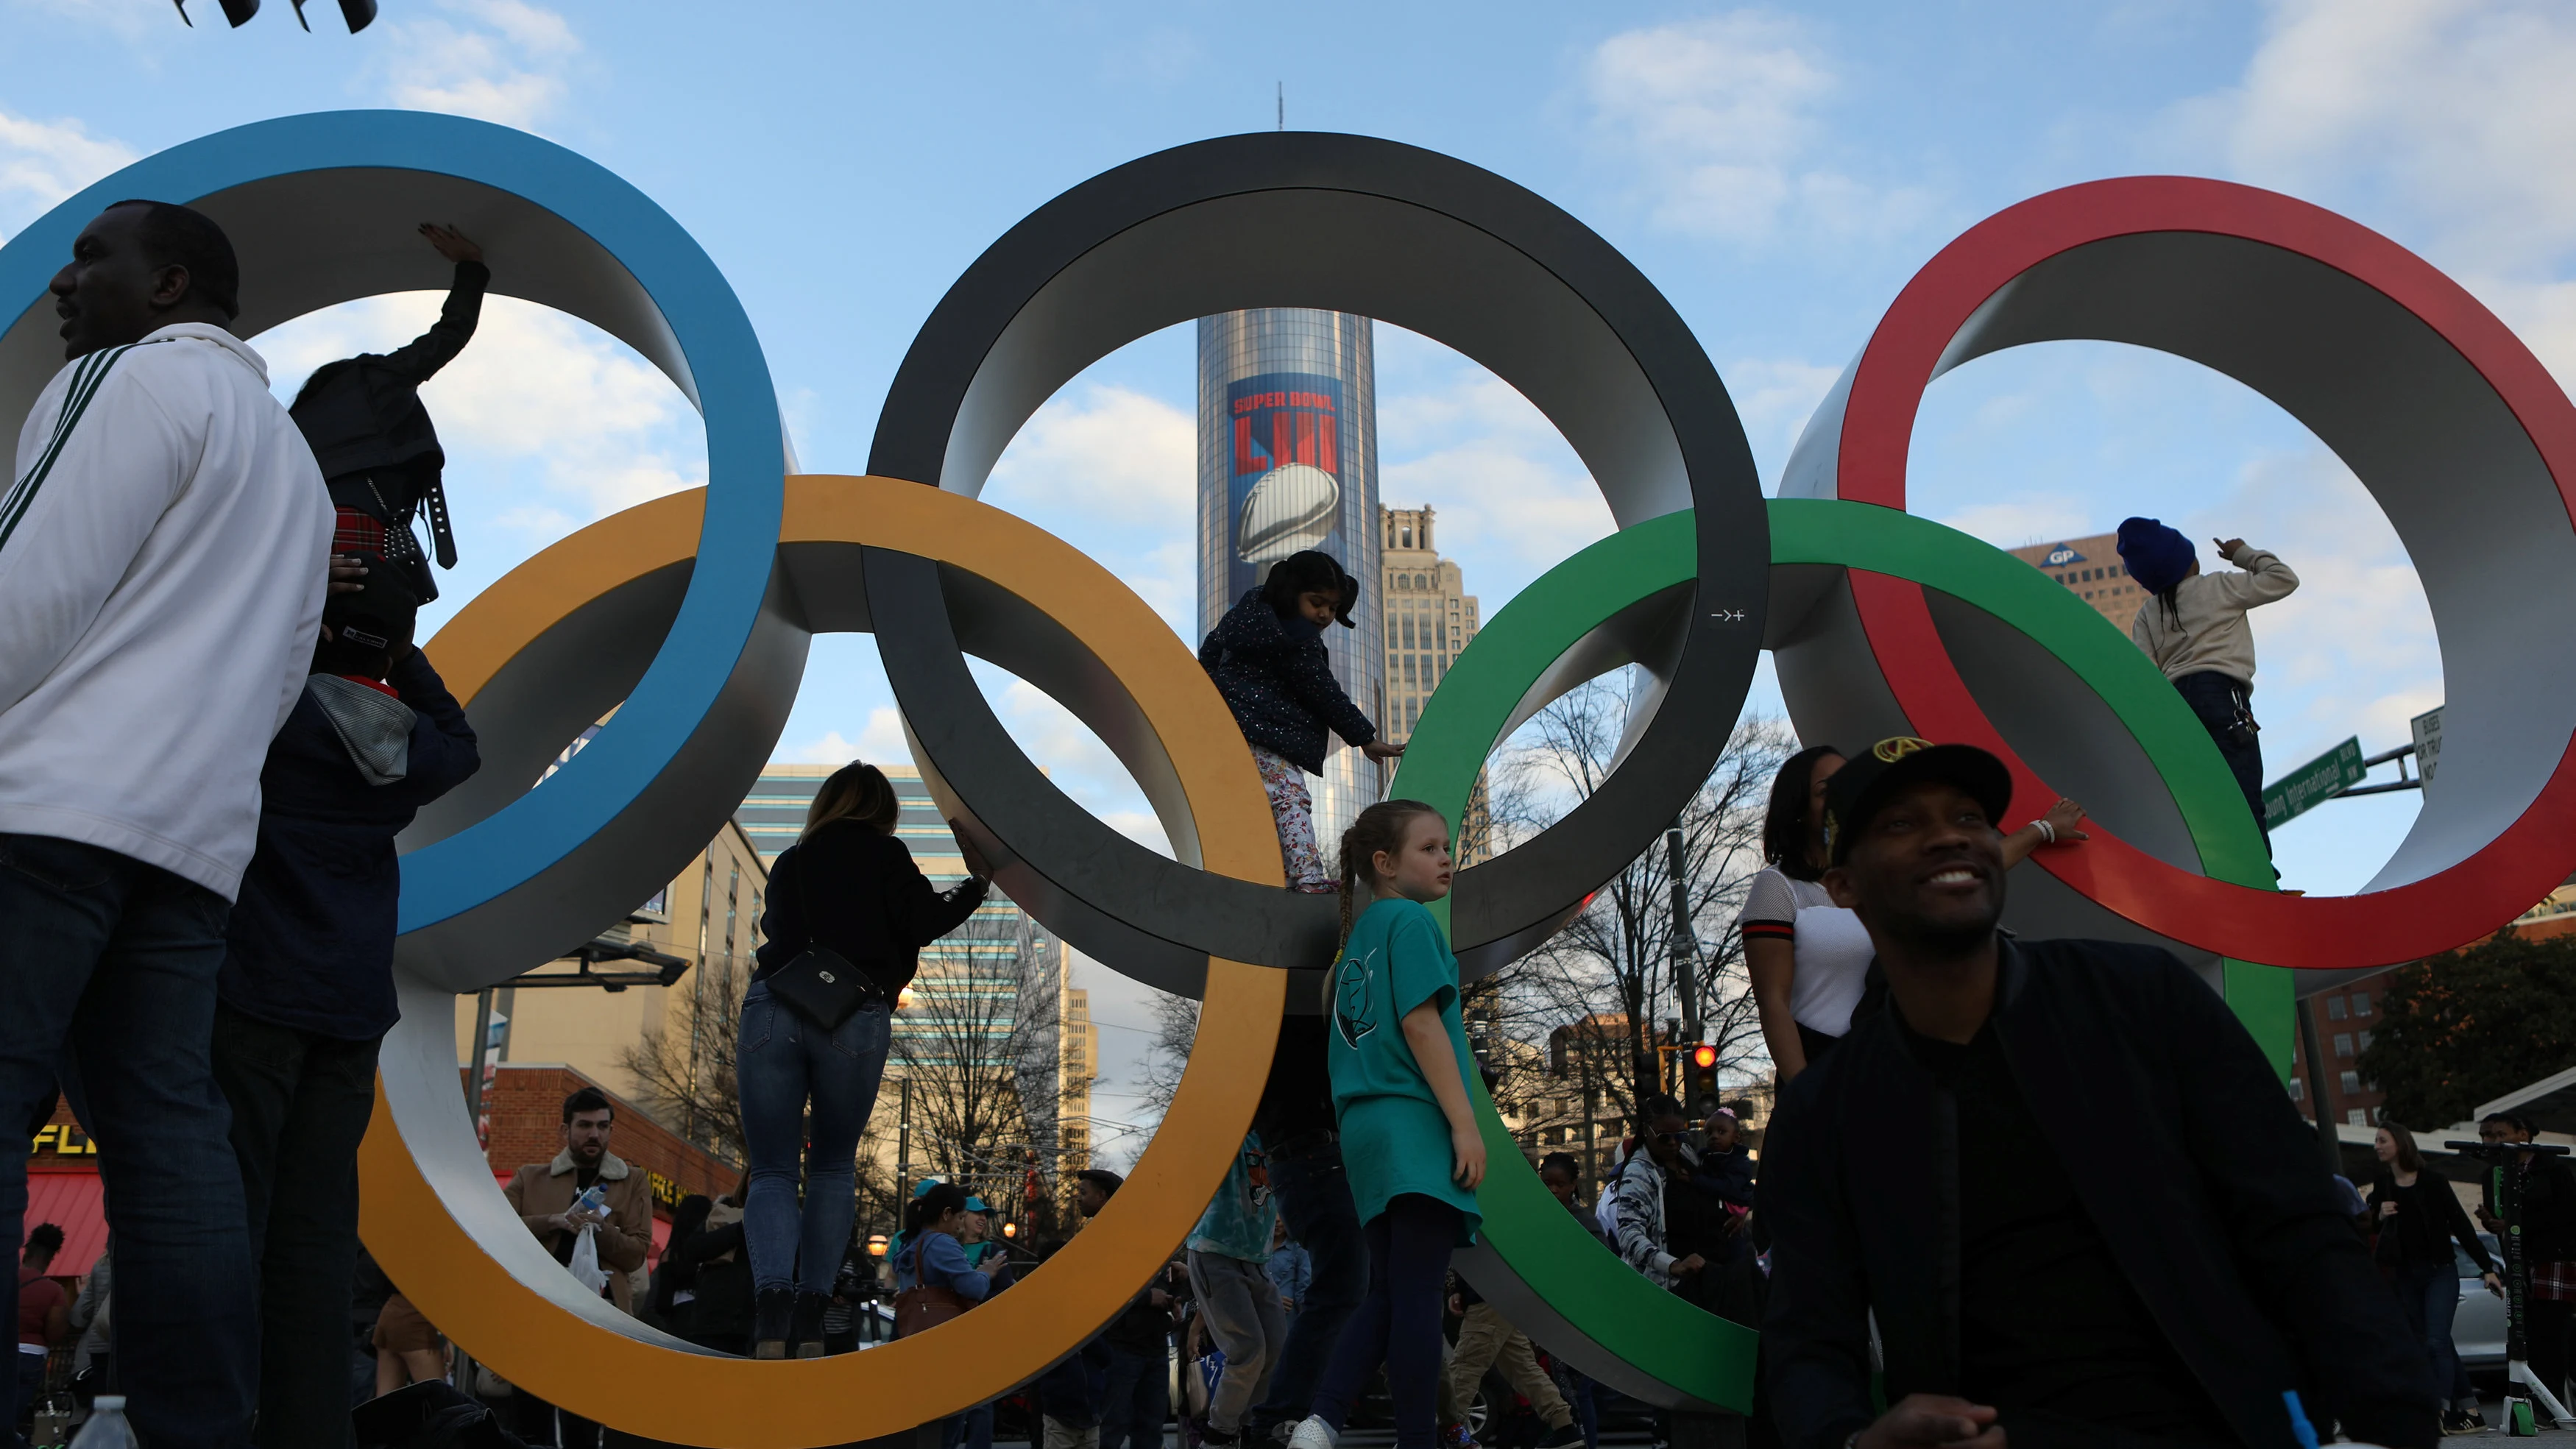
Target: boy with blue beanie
x=2194, y=628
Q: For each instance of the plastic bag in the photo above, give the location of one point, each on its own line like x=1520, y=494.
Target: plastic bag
x=585, y=1260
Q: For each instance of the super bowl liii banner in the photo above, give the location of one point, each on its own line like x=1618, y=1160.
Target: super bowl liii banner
x=1284, y=487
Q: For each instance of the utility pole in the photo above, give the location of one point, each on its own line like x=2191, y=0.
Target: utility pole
x=482, y=1047
x=903, y=1152
x=1685, y=946
x=1283, y=105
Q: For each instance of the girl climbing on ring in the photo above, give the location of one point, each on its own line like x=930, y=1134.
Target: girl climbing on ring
x=1267, y=658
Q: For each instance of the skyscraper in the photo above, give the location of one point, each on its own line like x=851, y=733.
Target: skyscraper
x=1288, y=461
x=1428, y=618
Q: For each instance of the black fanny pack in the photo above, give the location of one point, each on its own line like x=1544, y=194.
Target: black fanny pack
x=822, y=986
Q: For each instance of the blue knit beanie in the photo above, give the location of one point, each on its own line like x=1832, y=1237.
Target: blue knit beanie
x=2157, y=557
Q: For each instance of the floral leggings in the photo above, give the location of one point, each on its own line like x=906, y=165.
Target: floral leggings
x=1294, y=810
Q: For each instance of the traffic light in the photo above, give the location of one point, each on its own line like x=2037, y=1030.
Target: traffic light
x=1703, y=1060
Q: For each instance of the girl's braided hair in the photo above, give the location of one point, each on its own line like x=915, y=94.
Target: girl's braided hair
x=1380, y=827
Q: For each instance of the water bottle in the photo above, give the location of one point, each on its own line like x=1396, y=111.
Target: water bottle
x=106, y=1428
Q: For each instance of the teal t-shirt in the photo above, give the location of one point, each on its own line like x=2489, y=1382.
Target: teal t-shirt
x=1237, y=1221
x=1395, y=1138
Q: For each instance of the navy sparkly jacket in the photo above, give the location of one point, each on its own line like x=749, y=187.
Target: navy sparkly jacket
x=1276, y=678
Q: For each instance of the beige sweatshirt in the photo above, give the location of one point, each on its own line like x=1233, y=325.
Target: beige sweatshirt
x=2214, y=635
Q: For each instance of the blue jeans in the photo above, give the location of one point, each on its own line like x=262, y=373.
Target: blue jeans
x=1136, y=1397
x=970, y=1430
x=2225, y=708
x=783, y=1063
x=2430, y=1295
x=1315, y=1201
x=109, y=961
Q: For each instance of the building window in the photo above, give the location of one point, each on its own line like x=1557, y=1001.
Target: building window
x=2357, y=1117
x=2334, y=1007
x=2361, y=1003
x=2298, y=1090
x=2351, y=1082
x=2365, y=1040
x=2343, y=1043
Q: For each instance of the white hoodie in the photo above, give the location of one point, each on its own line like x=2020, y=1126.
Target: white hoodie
x=162, y=547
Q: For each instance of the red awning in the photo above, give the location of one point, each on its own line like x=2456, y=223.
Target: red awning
x=71, y=1201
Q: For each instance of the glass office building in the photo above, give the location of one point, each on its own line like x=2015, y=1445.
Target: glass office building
x=1288, y=461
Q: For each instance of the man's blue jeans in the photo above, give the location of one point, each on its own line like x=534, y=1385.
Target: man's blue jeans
x=1136, y=1397
x=110, y=964
x=1315, y=1201
x=783, y=1063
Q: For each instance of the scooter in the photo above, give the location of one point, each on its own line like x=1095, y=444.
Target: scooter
x=2504, y=1197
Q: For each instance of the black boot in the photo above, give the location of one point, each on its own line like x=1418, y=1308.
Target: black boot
x=770, y=1322
x=805, y=1333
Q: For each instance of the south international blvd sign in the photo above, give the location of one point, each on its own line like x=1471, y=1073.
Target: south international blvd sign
x=2322, y=778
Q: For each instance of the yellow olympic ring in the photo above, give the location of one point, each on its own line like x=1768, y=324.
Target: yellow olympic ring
x=671, y=1390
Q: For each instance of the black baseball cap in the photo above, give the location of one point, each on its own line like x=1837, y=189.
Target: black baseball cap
x=1867, y=779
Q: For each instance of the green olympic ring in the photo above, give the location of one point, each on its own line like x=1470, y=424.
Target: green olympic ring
x=1539, y=1266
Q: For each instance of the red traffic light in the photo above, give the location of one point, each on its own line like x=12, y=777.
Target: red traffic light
x=1704, y=1056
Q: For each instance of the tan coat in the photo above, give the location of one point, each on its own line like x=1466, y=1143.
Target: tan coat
x=545, y=1189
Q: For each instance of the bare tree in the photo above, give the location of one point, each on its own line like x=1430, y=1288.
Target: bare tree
x=1176, y=1026
x=1609, y=985
x=684, y=1069
x=978, y=1045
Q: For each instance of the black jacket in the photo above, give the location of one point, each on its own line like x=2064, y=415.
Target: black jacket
x=1279, y=682
x=857, y=891
x=310, y=943
x=2185, y=1152
x=364, y=412
x=2429, y=1219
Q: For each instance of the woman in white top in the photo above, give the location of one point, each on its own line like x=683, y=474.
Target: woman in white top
x=1808, y=957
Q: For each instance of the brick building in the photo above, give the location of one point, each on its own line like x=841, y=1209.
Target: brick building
x=2343, y=1018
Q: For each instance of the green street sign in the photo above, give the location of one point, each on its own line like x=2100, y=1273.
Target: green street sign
x=2320, y=779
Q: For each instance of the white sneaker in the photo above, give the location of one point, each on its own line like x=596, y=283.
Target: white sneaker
x=1313, y=1434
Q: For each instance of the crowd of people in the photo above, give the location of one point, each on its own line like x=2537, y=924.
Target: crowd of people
x=213, y=723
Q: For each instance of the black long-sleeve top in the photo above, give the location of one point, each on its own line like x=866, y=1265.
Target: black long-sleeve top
x=364, y=412
x=2429, y=1219
x=856, y=890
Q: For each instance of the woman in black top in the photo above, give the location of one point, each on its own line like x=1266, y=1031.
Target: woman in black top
x=2417, y=1218
x=847, y=884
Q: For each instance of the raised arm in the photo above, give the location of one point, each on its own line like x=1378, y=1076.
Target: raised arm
x=434, y=349
x=2265, y=579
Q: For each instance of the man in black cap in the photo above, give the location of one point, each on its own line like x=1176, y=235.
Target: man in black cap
x=2060, y=1176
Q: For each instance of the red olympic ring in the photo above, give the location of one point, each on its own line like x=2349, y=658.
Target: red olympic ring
x=2437, y=912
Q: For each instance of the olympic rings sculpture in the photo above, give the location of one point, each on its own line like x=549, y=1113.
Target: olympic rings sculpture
x=690, y=616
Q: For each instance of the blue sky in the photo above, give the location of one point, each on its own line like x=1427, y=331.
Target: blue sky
x=1779, y=173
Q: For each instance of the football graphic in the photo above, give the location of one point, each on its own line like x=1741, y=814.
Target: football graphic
x=1291, y=507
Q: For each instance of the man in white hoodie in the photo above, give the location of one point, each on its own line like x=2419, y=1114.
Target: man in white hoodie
x=162, y=553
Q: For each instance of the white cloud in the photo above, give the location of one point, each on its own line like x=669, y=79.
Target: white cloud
x=42, y=162
x=880, y=740
x=2026, y=518
x=2444, y=121
x=1720, y=118
x=1513, y=498
x=1113, y=453
x=496, y=60
x=1775, y=396
x=1079, y=763
x=1114, y=472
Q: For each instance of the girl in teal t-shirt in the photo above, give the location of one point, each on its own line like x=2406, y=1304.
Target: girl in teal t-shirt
x=1398, y=1055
